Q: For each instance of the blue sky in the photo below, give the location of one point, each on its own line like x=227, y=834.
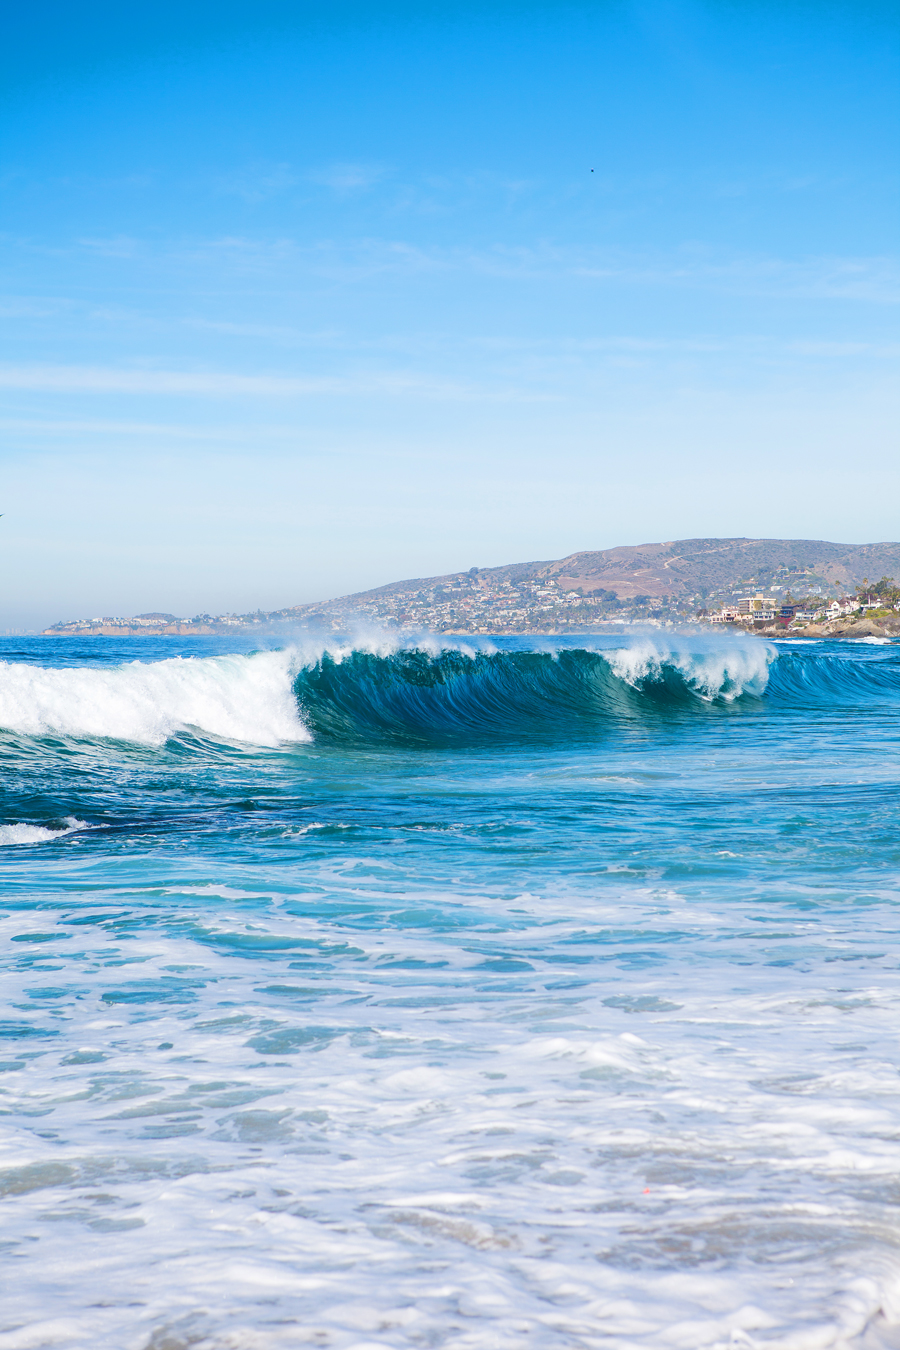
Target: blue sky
x=297, y=299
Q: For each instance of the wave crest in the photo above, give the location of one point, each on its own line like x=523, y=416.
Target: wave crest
x=21, y=832
x=713, y=671
x=237, y=698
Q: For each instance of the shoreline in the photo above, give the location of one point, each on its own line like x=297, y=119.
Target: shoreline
x=837, y=629
x=811, y=633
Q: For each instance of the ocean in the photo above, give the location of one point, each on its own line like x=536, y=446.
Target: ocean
x=464, y=993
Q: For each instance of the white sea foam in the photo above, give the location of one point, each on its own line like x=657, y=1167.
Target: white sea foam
x=674, y=1186
x=723, y=668
x=22, y=833
x=239, y=698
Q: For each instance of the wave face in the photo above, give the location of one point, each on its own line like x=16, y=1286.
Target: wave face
x=833, y=676
x=237, y=698
x=420, y=693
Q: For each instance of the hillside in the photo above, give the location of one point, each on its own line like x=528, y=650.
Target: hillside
x=671, y=579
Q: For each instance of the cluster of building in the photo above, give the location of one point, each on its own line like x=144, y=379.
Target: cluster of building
x=473, y=602
x=149, y=625
x=766, y=609
x=481, y=601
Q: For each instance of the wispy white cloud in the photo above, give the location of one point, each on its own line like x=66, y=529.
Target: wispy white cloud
x=874, y=280
x=99, y=426
x=257, y=183
x=116, y=246
x=215, y=384
x=743, y=345
x=32, y=307
x=273, y=331
x=343, y=178
x=840, y=350
x=868, y=279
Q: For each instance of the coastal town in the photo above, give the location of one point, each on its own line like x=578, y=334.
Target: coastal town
x=470, y=607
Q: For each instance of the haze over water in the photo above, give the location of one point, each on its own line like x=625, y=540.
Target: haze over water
x=406, y=995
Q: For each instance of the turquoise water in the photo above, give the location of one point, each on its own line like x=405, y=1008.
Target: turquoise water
x=399, y=995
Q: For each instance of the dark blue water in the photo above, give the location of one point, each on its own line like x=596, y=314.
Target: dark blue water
x=405, y=995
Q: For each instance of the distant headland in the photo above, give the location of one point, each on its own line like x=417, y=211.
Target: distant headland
x=765, y=585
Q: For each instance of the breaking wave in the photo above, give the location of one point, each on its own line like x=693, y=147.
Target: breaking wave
x=430, y=690
x=236, y=698
x=21, y=832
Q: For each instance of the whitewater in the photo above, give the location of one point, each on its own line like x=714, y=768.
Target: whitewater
x=453, y=993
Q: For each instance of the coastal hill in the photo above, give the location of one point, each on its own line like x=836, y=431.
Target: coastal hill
x=671, y=579
x=663, y=580
x=700, y=568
